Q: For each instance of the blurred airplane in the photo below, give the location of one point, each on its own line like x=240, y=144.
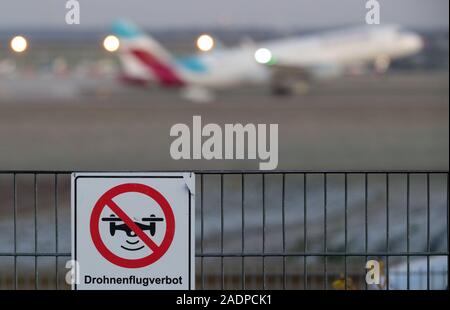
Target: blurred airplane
x=283, y=64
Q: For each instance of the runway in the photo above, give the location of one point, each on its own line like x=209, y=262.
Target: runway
x=398, y=121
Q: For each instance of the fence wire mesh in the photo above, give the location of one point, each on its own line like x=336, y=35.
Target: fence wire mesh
x=259, y=230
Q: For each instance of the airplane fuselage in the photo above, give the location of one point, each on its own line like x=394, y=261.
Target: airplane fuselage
x=312, y=56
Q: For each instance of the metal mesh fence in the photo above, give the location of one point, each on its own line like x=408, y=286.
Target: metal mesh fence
x=259, y=230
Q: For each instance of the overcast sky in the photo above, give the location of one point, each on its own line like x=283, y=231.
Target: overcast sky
x=285, y=14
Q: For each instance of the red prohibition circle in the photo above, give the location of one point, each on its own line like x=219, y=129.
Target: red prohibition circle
x=107, y=198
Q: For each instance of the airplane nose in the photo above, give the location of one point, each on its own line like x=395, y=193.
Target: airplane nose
x=415, y=42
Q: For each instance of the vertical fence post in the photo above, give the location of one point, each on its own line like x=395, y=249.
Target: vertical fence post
x=325, y=250
x=428, y=231
x=305, y=240
x=366, y=222
x=283, y=225
x=202, y=189
x=221, y=232
x=15, y=230
x=264, y=231
x=345, y=230
x=387, y=231
x=408, y=185
x=448, y=230
x=56, y=228
x=36, y=279
x=243, y=231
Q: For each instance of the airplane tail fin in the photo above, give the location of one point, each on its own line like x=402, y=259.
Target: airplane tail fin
x=143, y=59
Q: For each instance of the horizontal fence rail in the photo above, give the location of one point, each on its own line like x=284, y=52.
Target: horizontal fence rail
x=259, y=230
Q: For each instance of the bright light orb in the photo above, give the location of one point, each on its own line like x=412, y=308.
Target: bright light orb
x=205, y=42
x=263, y=55
x=19, y=44
x=111, y=43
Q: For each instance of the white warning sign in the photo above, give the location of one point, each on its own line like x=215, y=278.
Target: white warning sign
x=133, y=230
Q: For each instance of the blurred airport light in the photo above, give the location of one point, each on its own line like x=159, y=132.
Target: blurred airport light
x=111, y=43
x=205, y=42
x=263, y=55
x=19, y=44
